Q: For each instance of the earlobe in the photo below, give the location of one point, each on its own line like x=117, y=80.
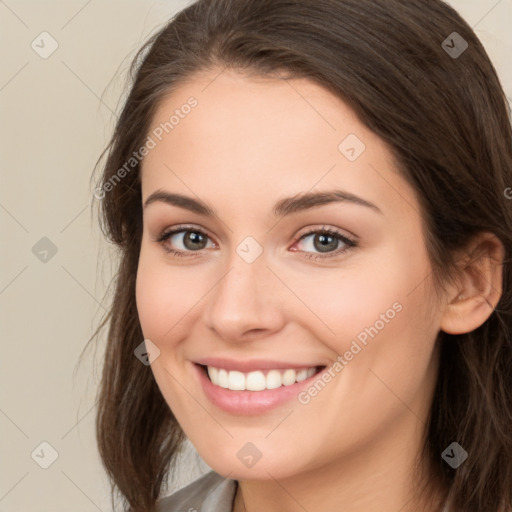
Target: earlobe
x=479, y=287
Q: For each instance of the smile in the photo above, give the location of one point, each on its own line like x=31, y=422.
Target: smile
x=258, y=380
x=255, y=390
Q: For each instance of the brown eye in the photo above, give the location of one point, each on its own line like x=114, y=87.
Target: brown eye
x=181, y=241
x=325, y=241
x=194, y=240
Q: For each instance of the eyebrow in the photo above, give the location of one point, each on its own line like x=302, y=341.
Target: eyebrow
x=282, y=208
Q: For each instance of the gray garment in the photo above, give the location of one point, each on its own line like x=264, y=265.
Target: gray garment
x=209, y=493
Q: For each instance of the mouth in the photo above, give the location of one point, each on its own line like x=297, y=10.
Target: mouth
x=257, y=380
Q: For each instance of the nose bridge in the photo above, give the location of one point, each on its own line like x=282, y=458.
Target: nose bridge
x=243, y=300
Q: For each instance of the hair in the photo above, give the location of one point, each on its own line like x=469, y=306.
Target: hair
x=446, y=121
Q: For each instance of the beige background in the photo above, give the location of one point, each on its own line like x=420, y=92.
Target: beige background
x=56, y=115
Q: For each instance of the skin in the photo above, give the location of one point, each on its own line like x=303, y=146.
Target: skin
x=247, y=144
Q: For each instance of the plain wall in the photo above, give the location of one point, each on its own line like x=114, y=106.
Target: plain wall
x=56, y=116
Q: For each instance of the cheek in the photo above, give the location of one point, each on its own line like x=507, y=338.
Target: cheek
x=165, y=298
x=165, y=295
x=348, y=301
x=376, y=314
x=153, y=297
x=150, y=299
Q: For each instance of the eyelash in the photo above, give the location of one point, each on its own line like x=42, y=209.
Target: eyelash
x=349, y=243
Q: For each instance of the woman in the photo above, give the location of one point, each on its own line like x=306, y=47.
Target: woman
x=310, y=203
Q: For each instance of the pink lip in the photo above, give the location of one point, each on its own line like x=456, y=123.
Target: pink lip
x=252, y=365
x=249, y=403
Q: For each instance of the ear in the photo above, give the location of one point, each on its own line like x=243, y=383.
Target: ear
x=472, y=300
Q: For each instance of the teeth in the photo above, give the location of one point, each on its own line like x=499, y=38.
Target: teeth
x=258, y=380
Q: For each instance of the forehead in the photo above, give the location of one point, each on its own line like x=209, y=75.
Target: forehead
x=249, y=137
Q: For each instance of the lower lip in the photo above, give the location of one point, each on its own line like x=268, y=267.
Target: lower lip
x=250, y=402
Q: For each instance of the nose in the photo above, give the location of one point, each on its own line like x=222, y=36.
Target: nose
x=246, y=302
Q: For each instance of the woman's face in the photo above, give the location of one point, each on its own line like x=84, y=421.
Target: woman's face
x=265, y=288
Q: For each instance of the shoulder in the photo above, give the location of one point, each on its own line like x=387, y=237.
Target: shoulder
x=209, y=493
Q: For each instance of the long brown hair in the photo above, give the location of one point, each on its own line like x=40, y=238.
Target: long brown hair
x=446, y=119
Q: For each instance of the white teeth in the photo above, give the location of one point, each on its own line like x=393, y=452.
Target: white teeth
x=302, y=374
x=236, y=381
x=289, y=377
x=274, y=379
x=222, y=379
x=213, y=373
x=257, y=380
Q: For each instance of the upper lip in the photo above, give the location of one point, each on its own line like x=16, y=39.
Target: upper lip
x=252, y=365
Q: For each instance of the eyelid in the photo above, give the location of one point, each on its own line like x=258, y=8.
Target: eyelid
x=306, y=231
x=326, y=228
x=168, y=232
x=350, y=242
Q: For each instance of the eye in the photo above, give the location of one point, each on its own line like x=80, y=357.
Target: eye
x=191, y=239
x=327, y=242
